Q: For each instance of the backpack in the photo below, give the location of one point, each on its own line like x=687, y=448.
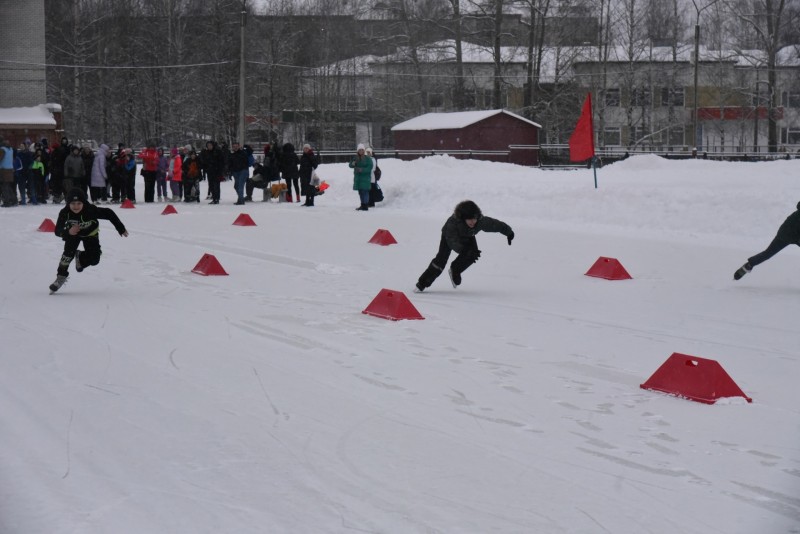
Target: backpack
x=193, y=171
x=377, y=171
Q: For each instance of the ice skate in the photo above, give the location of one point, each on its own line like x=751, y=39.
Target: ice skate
x=60, y=281
x=455, y=278
x=743, y=270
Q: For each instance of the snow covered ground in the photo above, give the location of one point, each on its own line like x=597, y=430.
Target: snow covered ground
x=143, y=398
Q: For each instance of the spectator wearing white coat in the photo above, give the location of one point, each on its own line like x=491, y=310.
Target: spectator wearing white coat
x=99, y=178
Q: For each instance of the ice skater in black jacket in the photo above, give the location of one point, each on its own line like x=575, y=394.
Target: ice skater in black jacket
x=79, y=222
x=788, y=234
x=458, y=234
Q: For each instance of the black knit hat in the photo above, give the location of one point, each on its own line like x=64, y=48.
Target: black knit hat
x=76, y=194
x=467, y=210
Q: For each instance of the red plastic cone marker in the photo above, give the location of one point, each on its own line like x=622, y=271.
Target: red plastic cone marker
x=694, y=378
x=244, y=220
x=608, y=268
x=383, y=237
x=324, y=185
x=47, y=226
x=127, y=204
x=391, y=304
x=209, y=266
x=169, y=209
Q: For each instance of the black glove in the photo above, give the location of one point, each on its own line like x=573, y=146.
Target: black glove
x=510, y=237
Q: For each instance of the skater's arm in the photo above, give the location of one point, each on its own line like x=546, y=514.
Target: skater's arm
x=61, y=222
x=109, y=215
x=487, y=224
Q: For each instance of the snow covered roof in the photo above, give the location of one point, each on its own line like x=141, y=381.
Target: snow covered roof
x=20, y=117
x=451, y=121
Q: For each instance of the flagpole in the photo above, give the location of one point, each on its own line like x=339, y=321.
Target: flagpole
x=594, y=168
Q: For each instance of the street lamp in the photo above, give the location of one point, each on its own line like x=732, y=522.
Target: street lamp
x=696, y=63
x=757, y=103
x=241, y=76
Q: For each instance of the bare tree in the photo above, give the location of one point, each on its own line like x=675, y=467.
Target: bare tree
x=768, y=22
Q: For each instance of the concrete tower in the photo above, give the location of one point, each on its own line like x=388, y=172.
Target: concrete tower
x=22, y=54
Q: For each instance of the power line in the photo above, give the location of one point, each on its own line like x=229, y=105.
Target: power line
x=114, y=67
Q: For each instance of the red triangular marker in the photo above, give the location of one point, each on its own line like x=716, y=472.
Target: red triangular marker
x=127, y=204
x=47, y=226
x=244, y=220
x=169, y=209
x=608, y=268
x=383, y=237
x=391, y=304
x=209, y=266
x=694, y=378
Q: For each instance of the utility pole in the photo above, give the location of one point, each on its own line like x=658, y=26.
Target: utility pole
x=241, y=76
x=696, y=63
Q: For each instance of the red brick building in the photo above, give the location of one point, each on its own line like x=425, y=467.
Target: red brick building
x=493, y=135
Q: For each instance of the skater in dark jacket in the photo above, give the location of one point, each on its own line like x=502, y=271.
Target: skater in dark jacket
x=79, y=222
x=458, y=234
x=788, y=234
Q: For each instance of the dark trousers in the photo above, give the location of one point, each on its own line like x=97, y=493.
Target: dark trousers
x=56, y=187
x=289, y=182
x=467, y=257
x=26, y=187
x=213, y=187
x=776, y=246
x=9, y=193
x=117, y=186
x=191, y=189
x=97, y=193
x=129, y=186
x=89, y=256
x=149, y=185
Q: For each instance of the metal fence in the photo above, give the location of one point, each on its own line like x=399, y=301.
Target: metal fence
x=557, y=156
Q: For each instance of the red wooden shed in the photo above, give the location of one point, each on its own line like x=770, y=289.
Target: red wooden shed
x=494, y=135
x=30, y=123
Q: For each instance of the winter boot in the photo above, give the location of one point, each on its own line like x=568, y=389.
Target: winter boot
x=61, y=279
x=363, y=207
x=427, y=278
x=743, y=270
x=288, y=196
x=78, y=266
x=455, y=277
x=297, y=197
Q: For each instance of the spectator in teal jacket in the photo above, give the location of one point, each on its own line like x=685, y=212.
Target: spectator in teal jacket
x=362, y=176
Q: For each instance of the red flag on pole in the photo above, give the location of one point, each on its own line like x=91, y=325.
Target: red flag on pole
x=581, y=142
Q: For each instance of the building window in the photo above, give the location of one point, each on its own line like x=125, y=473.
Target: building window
x=672, y=96
x=435, y=100
x=790, y=136
x=639, y=136
x=612, y=137
x=468, y=99
x=640, y=96
x=612, y=97
x=790, y=99
x=676, y=137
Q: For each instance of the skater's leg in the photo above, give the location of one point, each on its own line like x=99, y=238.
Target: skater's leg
x=776, y=246
x=468, y=256
x=91, y=253
x=436, y=266
x=70, y=247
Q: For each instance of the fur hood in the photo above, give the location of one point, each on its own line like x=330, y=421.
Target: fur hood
x=467, y=209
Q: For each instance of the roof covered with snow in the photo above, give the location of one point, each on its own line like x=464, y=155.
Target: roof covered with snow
x=452, y=121
x=32, y=116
